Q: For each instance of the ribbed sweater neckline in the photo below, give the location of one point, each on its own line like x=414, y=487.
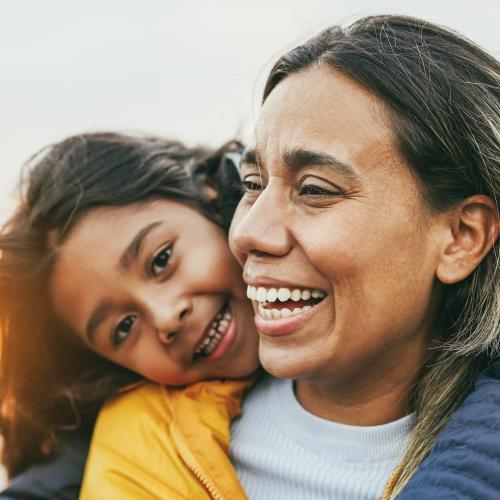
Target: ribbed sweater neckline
x=341, y=442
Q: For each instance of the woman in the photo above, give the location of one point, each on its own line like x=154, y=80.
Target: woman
x=374, y=179
x=116, y=268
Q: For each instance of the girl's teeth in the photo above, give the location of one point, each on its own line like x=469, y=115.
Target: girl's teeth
x=306, y=295
x=219, y=326
x=296, y=295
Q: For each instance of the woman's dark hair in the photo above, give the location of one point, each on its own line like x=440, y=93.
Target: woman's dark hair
x=441, y=93
x=49, y=380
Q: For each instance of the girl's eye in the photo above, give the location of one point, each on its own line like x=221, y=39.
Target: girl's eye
x=160, y=260
x=122, y=330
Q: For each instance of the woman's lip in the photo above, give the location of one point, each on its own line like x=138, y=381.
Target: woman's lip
x=284, y=326
x=274, y=283
x=225, y=342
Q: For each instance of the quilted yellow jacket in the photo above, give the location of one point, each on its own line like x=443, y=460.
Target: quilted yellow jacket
x=156, y=442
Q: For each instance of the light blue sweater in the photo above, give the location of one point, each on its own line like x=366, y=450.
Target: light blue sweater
x=282, y=452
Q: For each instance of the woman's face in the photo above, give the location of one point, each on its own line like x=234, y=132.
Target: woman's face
x=338, y=247
x=154, y=287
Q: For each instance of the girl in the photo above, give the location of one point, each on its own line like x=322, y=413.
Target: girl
x=115, y=268
x=368, y=236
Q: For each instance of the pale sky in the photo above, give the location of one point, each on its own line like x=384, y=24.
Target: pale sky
x=186, y=69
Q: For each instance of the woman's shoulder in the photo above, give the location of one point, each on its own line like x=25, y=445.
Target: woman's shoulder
x=465, y=460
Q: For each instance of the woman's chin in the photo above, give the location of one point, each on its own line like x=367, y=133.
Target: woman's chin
x=283, y=363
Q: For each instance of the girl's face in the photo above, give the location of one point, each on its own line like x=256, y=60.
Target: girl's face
x=338, y=247
x=153, y=287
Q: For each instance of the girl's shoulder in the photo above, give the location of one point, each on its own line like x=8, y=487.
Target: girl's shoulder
x=145, y=434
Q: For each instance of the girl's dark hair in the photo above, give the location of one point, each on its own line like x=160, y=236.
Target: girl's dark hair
x=49, y=380
x=441, y=93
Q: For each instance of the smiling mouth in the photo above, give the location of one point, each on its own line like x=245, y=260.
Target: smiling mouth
x=278, y=303
x=215, y=332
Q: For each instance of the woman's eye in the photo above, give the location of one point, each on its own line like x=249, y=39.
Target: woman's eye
x=122, y=330
x=160, y=260
x=313, y=190
x=252, y=184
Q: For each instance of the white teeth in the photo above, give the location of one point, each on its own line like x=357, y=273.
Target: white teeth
x=271, y=314
x=261, y=294
x=218, y=327
x=284, y=294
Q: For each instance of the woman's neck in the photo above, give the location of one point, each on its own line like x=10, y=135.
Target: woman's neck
x=354, y=409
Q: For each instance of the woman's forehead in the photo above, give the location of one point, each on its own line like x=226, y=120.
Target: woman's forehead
x=324, y=111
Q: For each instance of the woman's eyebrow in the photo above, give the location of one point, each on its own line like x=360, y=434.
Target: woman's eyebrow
x=298, y=158
x=134, y=247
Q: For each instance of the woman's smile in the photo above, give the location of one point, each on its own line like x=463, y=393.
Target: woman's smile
x=281, y=310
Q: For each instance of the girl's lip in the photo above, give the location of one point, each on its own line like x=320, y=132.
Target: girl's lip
x=284, y=326
x=225, y=342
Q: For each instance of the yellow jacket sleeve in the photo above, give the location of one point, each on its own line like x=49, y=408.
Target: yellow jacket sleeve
x=159, y=443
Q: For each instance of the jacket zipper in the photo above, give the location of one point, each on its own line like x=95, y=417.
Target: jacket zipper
x=194, y=466
x=187, y=456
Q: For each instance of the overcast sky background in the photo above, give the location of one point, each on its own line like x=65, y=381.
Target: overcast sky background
x=189, y=69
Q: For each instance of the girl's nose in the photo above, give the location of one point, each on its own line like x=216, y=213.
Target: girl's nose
x=170, y=318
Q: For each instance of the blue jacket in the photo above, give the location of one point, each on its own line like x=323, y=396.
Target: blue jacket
x=465, y=460
x=59, y=477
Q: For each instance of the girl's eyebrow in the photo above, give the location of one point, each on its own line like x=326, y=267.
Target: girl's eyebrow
x=249, y=156
x=134, y=247
x=96, y=317
x=103, y=308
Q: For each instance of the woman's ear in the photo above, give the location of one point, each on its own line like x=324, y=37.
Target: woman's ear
x=474, y=228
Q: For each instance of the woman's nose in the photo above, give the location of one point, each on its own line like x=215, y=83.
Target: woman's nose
x=261, y=228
